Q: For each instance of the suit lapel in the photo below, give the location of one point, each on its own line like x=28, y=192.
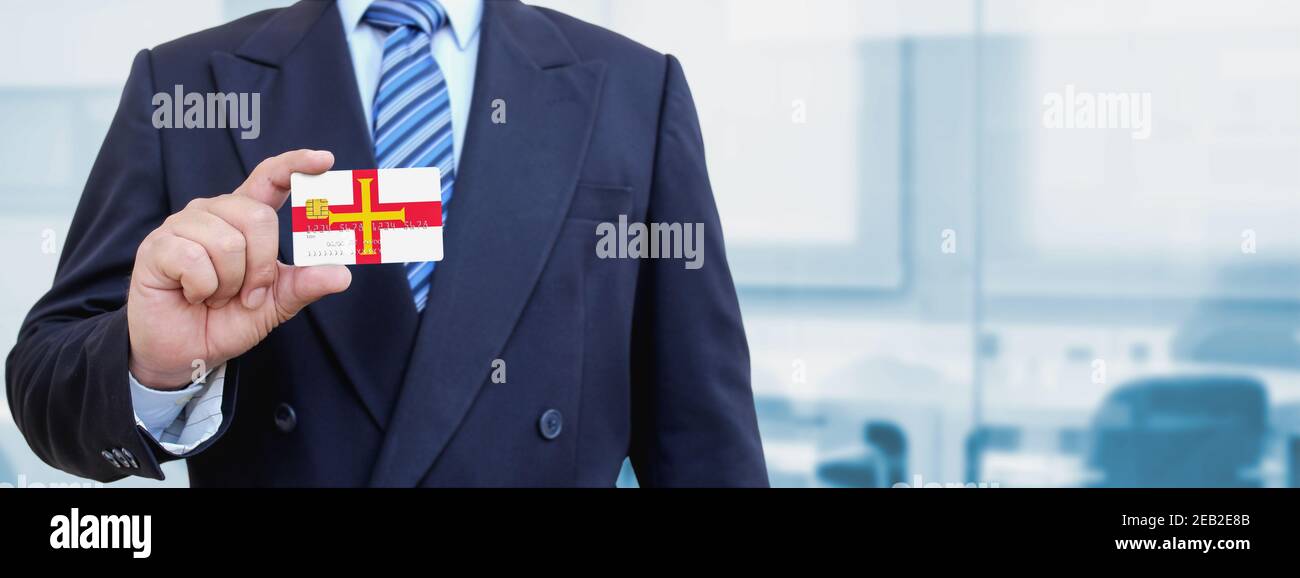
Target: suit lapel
x=512, y=193
x=300, y=64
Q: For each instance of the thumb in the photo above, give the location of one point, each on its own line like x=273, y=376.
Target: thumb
x=298, y=287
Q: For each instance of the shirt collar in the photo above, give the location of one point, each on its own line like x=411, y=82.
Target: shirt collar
x=464, y=16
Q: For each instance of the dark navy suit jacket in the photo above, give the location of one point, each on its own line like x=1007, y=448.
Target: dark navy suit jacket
x=640, y=358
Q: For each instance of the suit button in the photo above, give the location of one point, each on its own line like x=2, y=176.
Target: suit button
x=120, y=459
x=286, y=420
x=551, y=424
x=130, y=459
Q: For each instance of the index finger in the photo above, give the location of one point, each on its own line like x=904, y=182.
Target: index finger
x=269, y=182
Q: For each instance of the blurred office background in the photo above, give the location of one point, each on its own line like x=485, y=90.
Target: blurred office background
x=937, y=288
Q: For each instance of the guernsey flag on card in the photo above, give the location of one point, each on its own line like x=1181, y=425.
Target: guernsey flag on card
x=366, y=217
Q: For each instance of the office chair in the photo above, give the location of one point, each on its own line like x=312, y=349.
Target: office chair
x=1191, y=431
x=881, y=465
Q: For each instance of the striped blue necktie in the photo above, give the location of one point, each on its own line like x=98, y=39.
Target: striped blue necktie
x=412, y=109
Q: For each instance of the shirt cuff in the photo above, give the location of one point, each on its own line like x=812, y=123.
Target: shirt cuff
x=180, y=420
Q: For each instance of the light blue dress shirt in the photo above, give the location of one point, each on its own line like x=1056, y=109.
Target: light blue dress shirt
x=181, y=420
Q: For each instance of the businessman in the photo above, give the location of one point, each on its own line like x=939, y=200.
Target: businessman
x=177, y=327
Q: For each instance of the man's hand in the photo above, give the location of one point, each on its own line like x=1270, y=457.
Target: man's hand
x=207, y=284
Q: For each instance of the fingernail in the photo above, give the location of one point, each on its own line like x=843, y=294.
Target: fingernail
x=255, y=298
